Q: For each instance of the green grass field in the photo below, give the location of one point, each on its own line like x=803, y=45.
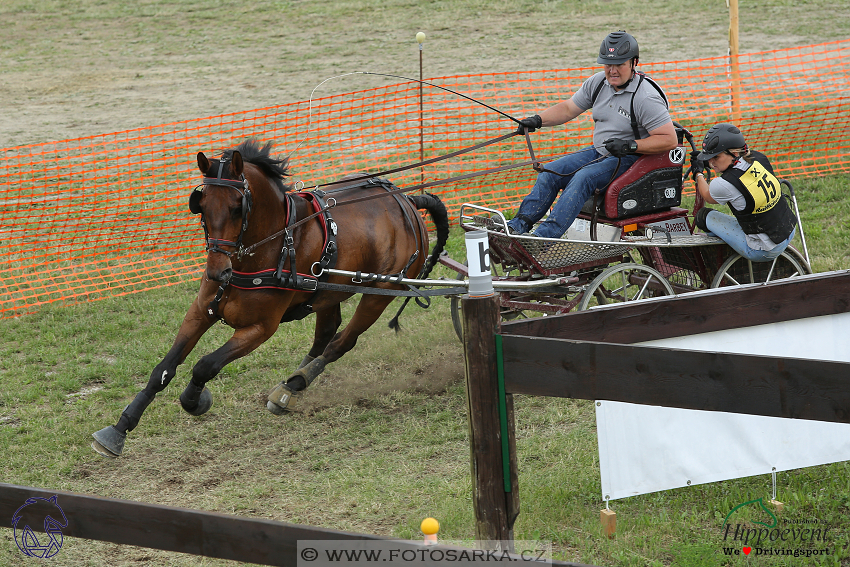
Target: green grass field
x=381, y=441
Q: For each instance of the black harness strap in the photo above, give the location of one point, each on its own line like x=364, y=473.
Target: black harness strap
x=212, y=308
x=269, y=279
x=327, y=259
x=281, y=278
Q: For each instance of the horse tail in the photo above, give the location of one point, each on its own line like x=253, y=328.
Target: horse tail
x=440, y=217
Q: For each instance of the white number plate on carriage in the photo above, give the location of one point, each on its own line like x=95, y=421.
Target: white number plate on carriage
x=580, y=230
x=673, y=226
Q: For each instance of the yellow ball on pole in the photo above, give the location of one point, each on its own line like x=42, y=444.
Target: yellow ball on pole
x=429, y=526
x=420, y=37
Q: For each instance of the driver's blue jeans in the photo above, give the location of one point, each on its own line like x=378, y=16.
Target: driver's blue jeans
x=584, y=174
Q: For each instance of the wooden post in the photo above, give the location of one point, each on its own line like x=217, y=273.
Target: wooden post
x=489, y=409
x=733, y=56
x=420, y=38
x=609, y=522
x=493, y=517
x=776, y=505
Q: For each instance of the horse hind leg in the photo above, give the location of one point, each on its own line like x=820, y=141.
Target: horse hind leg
x=283, y=396
x=368, y=311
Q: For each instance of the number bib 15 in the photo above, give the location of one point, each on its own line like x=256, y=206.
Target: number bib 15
x=763, y=187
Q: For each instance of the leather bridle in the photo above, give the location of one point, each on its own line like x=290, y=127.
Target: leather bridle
x=241, y=186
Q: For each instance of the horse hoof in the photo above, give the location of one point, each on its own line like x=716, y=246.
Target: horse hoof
x=203, y=406
x=281, y=398
x=108, y=442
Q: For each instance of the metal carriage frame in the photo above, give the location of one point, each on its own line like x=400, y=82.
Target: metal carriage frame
x=631, y=260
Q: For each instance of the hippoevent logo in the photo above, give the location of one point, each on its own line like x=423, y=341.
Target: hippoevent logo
x=744, y=534
x=40, y=510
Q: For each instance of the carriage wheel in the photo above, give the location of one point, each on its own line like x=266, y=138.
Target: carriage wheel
x=457, y=315
x=737, y=270
x=622, y=283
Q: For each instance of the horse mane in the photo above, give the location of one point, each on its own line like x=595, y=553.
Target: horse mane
x=274, y=168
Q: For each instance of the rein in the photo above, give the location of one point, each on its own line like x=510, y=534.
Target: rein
x=369, y=177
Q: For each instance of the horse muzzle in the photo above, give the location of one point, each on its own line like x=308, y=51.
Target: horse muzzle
x=219, y=269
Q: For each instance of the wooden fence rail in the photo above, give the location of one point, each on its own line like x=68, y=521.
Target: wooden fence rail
x=196, y=532
x=592, y=355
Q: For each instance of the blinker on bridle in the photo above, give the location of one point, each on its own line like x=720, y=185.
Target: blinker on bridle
x=241, y=187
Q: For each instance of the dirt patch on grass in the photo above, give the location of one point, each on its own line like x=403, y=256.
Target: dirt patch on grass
x=364, y=386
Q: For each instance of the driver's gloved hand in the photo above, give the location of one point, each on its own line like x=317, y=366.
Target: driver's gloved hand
x=531, y=123
x=620, y=148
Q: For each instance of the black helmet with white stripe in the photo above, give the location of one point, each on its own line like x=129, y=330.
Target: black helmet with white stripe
x=618, y=47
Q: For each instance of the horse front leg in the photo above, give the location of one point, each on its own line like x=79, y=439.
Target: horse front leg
x=196, y=399
x=109, y=441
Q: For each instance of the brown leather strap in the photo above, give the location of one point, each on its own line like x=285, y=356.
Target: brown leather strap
x=421, y=163
x=533, y=162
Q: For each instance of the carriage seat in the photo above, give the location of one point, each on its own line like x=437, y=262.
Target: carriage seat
x=653, y=183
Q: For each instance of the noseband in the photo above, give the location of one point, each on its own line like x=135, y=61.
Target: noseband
x=241, y=187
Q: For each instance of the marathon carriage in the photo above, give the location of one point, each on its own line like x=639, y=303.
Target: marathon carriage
x=632, y=242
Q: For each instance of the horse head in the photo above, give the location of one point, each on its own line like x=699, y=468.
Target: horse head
x=224, y=203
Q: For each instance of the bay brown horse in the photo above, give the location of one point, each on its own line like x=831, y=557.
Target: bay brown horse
x=266, y=244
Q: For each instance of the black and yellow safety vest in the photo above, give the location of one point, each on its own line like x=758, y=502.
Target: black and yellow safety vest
x=766, y=211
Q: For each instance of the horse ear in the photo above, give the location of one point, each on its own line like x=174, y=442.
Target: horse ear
x=236, y=165
x=203, y=163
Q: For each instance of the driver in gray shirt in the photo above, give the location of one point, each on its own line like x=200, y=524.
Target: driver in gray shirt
x=631, y=117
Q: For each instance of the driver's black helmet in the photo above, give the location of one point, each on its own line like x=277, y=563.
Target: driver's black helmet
x=618, y=47
x=720, y=138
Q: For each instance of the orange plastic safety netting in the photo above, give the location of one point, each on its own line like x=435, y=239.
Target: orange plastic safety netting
x=107, y=215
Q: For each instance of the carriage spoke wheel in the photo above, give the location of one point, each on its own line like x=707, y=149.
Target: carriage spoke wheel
x=624, y=283
x=737, y=270
x=457, y=316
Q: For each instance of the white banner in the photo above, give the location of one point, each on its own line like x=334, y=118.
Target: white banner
x=645, y=449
